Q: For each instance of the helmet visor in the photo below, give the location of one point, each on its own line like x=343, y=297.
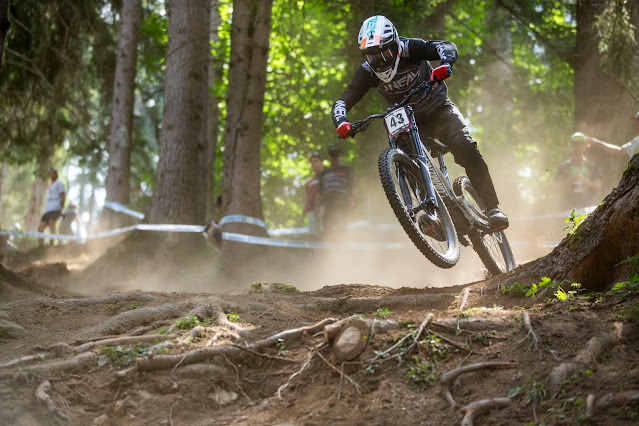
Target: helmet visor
x=382, y=59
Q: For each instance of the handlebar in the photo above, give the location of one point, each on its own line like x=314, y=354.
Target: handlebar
x=362, y=125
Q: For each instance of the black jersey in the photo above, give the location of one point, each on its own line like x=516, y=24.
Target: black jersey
x=413, y=69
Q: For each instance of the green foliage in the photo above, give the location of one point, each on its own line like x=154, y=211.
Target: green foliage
x=136, y=305
x=573, y=220
x=187, y=323
x=630, y=287
x=515, y=290
x=113, y=307
x=533, y=392
x=120, y=357
x=383, y=312
x=558, y=291
x=421, y=373
x=233, y=316
x=281, y=347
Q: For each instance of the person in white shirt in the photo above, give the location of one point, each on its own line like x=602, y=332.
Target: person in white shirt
x=52, y=206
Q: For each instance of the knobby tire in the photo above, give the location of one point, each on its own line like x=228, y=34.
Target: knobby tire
x=437, y=240
x=492, y=247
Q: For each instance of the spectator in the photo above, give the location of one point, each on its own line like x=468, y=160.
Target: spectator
x=625, y=151
x=69, y=216
x=579, y=179
x=337, y=190
x=612, y=159
x=53, y=206
x=312, y=205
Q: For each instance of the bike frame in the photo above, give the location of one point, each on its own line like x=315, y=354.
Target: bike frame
x=424, y=160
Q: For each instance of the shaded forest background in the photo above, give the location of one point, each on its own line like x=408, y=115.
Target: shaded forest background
x=163, y=105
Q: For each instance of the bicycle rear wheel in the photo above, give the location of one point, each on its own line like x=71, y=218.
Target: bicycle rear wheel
x=492, y=247
x=432, y=232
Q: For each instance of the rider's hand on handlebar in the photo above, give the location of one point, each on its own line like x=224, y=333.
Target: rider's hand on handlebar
x=344, y=129
x=441, y=73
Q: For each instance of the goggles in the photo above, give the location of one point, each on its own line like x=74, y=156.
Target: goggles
x=381, y=60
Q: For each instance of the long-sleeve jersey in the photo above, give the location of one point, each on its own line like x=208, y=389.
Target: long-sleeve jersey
x=413, y=69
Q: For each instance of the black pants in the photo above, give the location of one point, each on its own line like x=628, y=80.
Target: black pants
x=447, y=124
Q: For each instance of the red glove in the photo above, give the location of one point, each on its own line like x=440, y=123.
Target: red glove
x=441, y=73
x=343, y=129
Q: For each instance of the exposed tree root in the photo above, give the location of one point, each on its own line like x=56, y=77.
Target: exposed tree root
x=164, y=362
x=124, y=340
x=480, y=407
x=464, y=299
x=610, y=400
x=342, y=374
x=531, y=333
x=446, y=378
x=77, y=363
x=476, y=324
x=297, y=373
x=124, y=321
x=361, y=304
x=42, y=395
x=11, y=330
x=588, y=355
x=24, y=360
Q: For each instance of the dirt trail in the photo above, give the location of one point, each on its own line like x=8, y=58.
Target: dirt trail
x=179, y=358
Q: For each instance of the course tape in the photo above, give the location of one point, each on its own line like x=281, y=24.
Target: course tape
x=250, y=239
x=117, y=207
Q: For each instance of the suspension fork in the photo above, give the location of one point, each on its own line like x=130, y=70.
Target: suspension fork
x=430, y=202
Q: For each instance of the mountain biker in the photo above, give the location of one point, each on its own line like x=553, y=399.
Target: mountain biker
x=394, y=65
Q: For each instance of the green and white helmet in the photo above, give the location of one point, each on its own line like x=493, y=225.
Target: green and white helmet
x=379, y=44
x=578, y=137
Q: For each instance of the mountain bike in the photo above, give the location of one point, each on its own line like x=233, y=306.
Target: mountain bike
x=436, y=215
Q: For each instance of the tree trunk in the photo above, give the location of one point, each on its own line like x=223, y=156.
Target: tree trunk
x=250, y=31
x=216, y=71
x=602, y=105
x=608, y=236
x=117, y=181
x=4, y=24
x=181, y=180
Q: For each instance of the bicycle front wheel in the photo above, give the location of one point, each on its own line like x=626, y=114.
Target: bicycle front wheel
x=492, y=247
x=432, y=232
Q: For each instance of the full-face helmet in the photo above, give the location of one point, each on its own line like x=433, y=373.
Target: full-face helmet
x=379, y=44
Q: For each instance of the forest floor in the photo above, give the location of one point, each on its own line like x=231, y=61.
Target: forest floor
x=345, y=354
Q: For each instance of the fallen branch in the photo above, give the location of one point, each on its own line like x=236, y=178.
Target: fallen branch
x=376, y=326
x=297, y=373
x=400, y=341
x=480, y=407
x=610, y=400
x=42, y=395
x=165, y=362
x=446, y=378
x=419, y=332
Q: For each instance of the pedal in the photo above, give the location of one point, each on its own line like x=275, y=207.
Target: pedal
x=463, y=241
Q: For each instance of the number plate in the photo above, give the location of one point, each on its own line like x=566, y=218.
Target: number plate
x=396, y=122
